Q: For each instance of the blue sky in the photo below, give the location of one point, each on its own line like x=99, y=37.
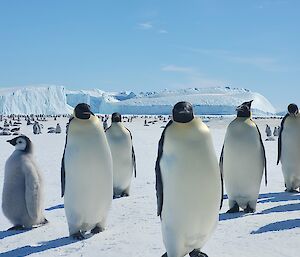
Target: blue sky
x=150, y=45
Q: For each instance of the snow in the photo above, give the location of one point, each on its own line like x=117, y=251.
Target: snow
x=57, y=100
x=133, y=228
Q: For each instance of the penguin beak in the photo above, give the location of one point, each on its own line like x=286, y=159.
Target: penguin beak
x=89, y=113
x=12, y=142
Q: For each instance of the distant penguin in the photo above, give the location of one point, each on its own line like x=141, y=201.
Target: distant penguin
x=36, y=128
x=105, y=124
x=243, y=161
x=58, y=129
x=86, y=174
x=188, y=184
x=289, y=148
x=276, y=132
x=120, y=141
x=268, y=131
x=22, y=197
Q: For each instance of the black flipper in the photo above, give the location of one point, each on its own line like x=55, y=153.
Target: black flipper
x=221, y=174
x=107, y=128
x=279, y=138
x=159, y=184
x=264, y=153
x=133, y=155
x=63, y=173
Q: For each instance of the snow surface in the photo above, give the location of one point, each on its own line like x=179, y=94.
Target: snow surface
x=57, y=100
x=133, y=228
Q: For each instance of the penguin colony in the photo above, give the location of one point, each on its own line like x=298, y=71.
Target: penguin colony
x=186, y=168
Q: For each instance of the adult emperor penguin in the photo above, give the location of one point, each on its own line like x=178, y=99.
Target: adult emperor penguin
x=289, y=148
x=188, y=184
x=243, y=161
x=120, y=141
x=22, y=197
x=86, y=174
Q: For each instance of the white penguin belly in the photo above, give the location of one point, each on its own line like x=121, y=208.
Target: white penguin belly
x=121, y=150
x=191, y=193
x=88, y=192
x=243, y=164
x=290, y=153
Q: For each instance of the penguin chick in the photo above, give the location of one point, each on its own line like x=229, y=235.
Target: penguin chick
x=22, y=197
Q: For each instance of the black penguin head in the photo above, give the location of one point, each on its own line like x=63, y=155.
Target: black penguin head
x=82, y=111
x=293, y=109
x=183, y=112
x=244, y=110
x=116, y=117
x=22, y=143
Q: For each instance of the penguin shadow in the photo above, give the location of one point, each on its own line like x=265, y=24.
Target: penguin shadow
x=44, y=246
x=278, y=197
x=8, y=233
x=267, y=198
x=230, y=216
x=282, y=208
x=278, y=226
x=55, y=207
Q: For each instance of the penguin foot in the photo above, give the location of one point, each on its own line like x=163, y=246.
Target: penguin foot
x=97, y=230
x=165, y=255
x=249, y=209
x=291, y=190
x=45, y=222
x=78, y=236
x=234, y=209
x=124, y=194
x=116, y=196
x=17, y=227
x=197, y=253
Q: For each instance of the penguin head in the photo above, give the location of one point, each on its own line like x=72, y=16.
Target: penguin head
x=83, y=111
x=183, y=112
x=22, y=143
x=244, y=110
x=293, y=109
x=116, y=117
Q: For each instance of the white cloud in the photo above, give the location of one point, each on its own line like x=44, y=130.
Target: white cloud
x=193, y=78
x=162, y=31
x=263, y=63
x=269, y=64
x=175, y=68
x=145, y=25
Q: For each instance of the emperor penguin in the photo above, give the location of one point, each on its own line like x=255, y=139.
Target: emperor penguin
x=188, y=184
x=86, y=174
x=22, y=197
x=120, y=141
x=243, y=161
x=289, y=148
